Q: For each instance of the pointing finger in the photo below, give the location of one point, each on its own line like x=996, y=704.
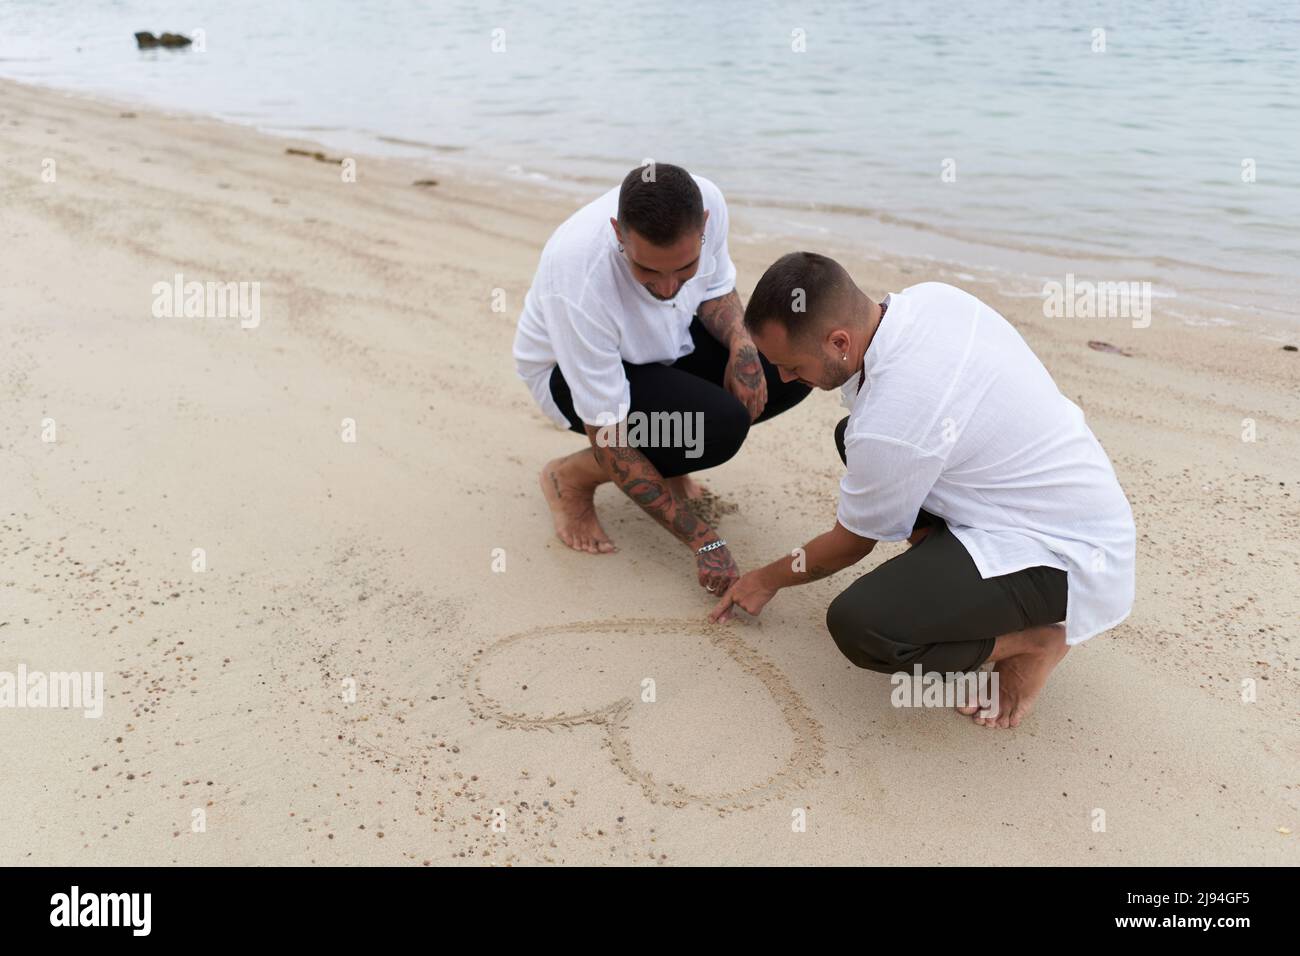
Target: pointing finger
x=721, y=610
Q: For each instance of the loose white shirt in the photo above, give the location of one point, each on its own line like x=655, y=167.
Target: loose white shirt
x=587, y=313
x=958, y=416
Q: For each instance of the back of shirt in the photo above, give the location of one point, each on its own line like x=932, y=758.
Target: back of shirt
x=959, y=417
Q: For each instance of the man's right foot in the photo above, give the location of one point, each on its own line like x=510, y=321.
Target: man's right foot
x=1021, y=676
x=970, y=710
x=573, y=506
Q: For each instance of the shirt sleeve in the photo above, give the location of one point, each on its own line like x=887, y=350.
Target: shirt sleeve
x=587, y=352
x=723, y=279
x=886, y=483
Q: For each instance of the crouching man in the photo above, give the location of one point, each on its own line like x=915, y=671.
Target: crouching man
x=959, y=440
x=633, y=318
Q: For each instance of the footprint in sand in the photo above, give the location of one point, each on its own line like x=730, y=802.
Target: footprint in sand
x=693, y=665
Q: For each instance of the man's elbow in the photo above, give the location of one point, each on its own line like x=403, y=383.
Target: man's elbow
x=853, y=546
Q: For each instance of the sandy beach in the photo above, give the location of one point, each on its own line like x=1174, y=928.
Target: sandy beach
x=388, y=658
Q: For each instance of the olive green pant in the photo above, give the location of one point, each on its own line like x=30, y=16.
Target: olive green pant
x=929, y=605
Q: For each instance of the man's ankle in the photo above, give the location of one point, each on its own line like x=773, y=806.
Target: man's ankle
x=583, y=470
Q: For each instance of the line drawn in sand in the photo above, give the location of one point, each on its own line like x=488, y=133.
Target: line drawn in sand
x=803, y=763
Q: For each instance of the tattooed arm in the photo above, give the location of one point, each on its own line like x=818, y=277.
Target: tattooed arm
x=821, y=557
x=725, y=319
x=638, y=478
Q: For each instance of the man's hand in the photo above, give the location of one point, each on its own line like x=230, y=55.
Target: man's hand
x=744, y=377
x=724, y=317
x=717, y=570
x=750, y=593
x=819, y=558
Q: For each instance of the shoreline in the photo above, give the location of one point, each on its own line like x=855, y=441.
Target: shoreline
x=326, y=561
x=1024, y=269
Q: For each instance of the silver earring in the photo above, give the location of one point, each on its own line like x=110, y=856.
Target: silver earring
x=620, y=247
x=844, y=358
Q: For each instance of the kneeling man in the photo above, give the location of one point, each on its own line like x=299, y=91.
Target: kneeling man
x=959, y=440
x=632, y=321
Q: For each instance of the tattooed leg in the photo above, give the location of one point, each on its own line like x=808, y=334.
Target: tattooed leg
x=636, y=476
x=569, y=486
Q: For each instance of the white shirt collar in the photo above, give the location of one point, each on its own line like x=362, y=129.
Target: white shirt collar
x=875, y=351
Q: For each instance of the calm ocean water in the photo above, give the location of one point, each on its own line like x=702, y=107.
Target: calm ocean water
x=1125, y=164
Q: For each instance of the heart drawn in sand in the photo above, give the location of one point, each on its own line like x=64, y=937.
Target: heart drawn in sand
x=596, y=691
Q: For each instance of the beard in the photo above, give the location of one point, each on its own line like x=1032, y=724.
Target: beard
x=834, y=374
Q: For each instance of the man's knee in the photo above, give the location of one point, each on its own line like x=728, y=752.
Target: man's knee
x=782, y=396
x=725, y=430
x=858, y=631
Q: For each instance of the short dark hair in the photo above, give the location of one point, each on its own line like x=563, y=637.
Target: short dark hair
x=797, y=291
x=660, y=203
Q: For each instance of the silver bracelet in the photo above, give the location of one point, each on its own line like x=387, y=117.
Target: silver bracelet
x=712, y=546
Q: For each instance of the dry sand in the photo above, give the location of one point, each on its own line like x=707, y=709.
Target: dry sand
x=520, y=692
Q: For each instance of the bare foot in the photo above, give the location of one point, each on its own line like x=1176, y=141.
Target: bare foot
x=969, y=710
x=1021, y=676
x=701, y=502
x=686, y=488
x=571, y=495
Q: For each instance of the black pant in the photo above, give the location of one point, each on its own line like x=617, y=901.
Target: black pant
x=692, y=384
x=929, y=605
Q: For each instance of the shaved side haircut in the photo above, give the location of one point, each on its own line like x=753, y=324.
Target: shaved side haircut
x=801, y=291
x=660, y=203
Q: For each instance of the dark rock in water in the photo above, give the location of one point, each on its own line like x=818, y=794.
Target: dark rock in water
x=147, y=41
x=1289, y=348
x=425, y=182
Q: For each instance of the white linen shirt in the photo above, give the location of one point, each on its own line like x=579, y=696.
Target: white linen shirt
x=958, y=416
x=588, y=314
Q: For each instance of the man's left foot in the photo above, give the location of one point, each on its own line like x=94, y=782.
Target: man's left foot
x=1021, y=677
x=686, y=488
x=700, y=501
